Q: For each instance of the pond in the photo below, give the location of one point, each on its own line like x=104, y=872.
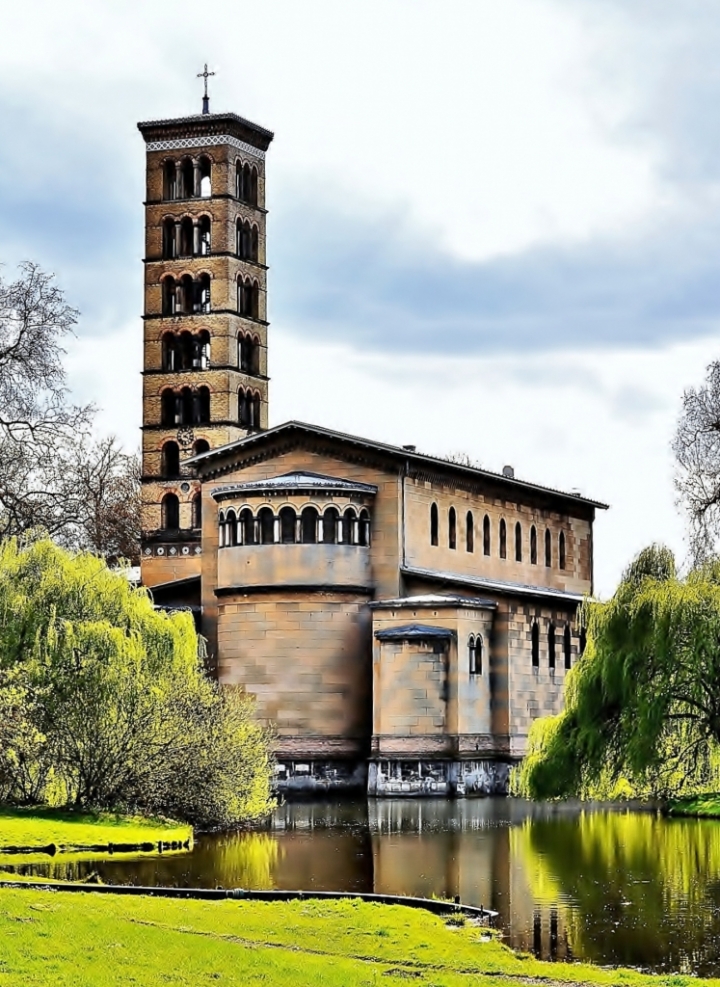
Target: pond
x=611, y=886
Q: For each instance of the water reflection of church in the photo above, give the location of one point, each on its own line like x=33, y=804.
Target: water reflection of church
x=427, y=848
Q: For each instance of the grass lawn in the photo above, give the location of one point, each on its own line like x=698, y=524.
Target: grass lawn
x=86, y=940
x=704, y=806
x=40, y=826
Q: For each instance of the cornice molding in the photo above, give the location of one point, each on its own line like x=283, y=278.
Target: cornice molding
x=210, y=140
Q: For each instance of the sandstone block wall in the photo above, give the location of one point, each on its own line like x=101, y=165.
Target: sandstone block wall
x=420, y=494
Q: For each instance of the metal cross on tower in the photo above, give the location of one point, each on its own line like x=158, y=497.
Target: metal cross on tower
x=206, y=99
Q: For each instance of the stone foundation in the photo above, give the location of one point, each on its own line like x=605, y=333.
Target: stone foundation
x=314, y=778
x=450, y=779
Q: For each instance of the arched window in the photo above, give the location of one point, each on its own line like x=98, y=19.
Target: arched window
x=471, y=655
x=169, y=183
x=197, y=511
x=478, y=655
x=187, y=180
x=170, y=512
x=239, y=180
x=452, y=528
x=186, y=407
x=205, y=189
x=168, y=239
x=204, y=235
x=567, y=646
x=169, y=352
x=309, y=525
x=185, y=351
x=255, y=411
x=533, y=546
x=231, y=529
x=168, y=408
x=254, y=244
x=253, y=196
x=583, y=640
x=202, y=445
x=288, y=525
x=349, y=527
x=202, y=302
x=169, y=297
x=267, y=526
x=551, y=646
x=186, y=299
x=221, y=530
x=503, y=538
x=204, y=406
x=330, y=525
x=535, y=645
x=548, y=548
x=201, y=351
x=518, y=542
x=247, y=526
x=469, y=532
x=486, y=535
x=561, y=550
x=364, y=528
x=170, y=459
x=185, y=247
x=433, y=524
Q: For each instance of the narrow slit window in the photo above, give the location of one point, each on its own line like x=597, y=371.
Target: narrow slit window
x=433, y=524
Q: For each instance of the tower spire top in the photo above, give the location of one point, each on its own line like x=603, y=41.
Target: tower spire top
x=205, y=75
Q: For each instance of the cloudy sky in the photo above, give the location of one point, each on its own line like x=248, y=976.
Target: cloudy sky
x=494, y=227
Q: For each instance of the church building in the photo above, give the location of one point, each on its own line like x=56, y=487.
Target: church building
x=400, y=619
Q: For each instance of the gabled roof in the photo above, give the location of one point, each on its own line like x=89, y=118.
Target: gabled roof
x=417, y=459
x=295, y=482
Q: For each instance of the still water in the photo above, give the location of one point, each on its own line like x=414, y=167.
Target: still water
x=615, y=887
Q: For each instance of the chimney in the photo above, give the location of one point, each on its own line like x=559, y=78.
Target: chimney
x=509, y=472
x=410, y=448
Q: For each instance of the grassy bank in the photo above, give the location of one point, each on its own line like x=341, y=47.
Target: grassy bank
x=40, y=826
x=87, y=940
x=702, y=806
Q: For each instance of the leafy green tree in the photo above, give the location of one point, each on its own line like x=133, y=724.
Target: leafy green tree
x=115, y=697
x=643, y=703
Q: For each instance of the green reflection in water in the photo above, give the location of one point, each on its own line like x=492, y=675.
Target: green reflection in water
x=630, y=886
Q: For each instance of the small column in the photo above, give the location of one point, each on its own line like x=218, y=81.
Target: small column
x=196, y=238
x=178, y=237
x=179, y=190
x=196, y=177
x=298, y=530
x=356, y=532
x=320, y=529
x=178, y=298
x=256, y=529
x=276, y=530
x=339, y=531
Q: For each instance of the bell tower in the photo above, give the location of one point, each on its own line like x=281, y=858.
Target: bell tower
x=205, y=377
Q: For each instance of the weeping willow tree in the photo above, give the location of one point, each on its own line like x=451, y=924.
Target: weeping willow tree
x=104, y=701
x=642, y=705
